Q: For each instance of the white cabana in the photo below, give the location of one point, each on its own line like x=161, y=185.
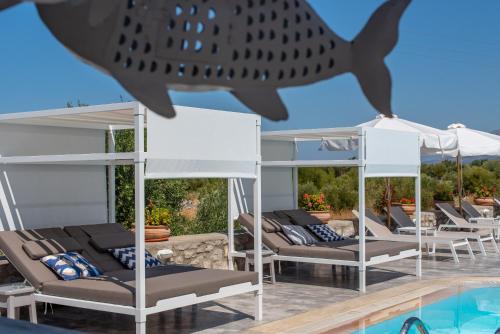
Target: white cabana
x=54, y=166
x=381, y=153
x=432, y=140
x=473, y=143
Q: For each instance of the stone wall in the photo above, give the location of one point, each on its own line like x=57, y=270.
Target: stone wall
x=202, y=250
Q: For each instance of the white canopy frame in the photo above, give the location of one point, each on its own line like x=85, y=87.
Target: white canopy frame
x=380, y=153
x=134, y=115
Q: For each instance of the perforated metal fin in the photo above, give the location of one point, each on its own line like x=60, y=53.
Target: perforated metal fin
x=251, y=48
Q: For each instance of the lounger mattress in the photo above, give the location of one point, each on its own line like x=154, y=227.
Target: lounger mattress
x=347, y=250
x=161, y=283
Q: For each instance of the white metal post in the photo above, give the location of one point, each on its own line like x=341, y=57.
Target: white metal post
x=140, y=270
x=361, y=204
x=230, y=222
x=257, y=233
x=418, y=222
x=295, y=178
x=111, y=179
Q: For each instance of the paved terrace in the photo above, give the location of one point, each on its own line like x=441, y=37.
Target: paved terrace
x=298, y=289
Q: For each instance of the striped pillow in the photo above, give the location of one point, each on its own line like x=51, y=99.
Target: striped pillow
x=325, y=232
x=298, y=235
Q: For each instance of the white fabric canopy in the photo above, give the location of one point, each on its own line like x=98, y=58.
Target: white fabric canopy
x=432, y=140
x=473, y=142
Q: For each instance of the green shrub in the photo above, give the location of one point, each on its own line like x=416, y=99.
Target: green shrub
x=307, y=188
x=342, y=192
x=475, y=177
x=212, y=210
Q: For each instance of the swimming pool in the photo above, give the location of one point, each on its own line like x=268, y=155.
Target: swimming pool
x=474, y=311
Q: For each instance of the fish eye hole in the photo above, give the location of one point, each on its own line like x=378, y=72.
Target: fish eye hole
x=321, y=30
x=235, y=55
x=195, y=71
x=297, y=19
x=272, y=35
x=274, y=16
x=249, y=20
x=331, y=63
x=184, y=44
x=126, y=21
x=248, y=54
x=256, y=74
x=131, y=4
x=127, y=63
x=285, y=23
x=297, y=4
x=281, y=74
x=321, y=49
x=141, y=65
x=286, y=5
x=168, y=68
x=178, y=10
x=182, y=70
x=237, y=10
x=147, y=47
x=170, y=42
x=244, y=73
x=270, y=56
x=308, y=53
x=153, y=67
x=187, y=26
x=283, y=56
x=208, y=72
x=230, y=74
x=332, y=44
x=308, y=16
x=198, y=46
x=220, y=71
x=138, y=28
x=216, y=30
x=249, y=37
x=296, y=54
x=193, y=10
x=122, y=40
x=262, y=18
x=318, y=68
x=292, y=73
x=211, y=13
x=118, y=56
x=309, y=33
x=297, y=36
x=305, y=71
x=264, y=75
x=259, y=54
x=261, y=34
x=250, y=3
x=215, y=48
x=200, y=27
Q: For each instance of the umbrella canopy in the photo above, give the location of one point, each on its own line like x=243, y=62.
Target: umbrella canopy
x=432, y=140
x=472, y=143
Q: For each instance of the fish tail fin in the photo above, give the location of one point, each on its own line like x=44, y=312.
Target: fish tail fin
x=4, y=4
x=371, y=46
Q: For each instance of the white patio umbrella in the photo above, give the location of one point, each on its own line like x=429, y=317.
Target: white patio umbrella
x=432, y=141
x=471, y=143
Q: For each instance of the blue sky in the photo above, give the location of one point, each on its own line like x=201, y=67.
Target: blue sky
x=445, y=69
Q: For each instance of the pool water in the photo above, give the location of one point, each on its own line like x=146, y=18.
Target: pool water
x=475, y=311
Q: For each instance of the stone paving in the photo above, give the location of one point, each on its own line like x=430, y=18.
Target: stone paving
x=299, y=289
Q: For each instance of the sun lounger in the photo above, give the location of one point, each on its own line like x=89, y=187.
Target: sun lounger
x=344, y=252
x=481, y=232
x=475, y=216
x=167, y=287
x=381, y=232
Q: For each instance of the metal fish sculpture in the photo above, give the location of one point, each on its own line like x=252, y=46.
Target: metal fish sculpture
x=248, y=47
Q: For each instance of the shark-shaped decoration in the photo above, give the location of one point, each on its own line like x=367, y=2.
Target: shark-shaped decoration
x=248, y=47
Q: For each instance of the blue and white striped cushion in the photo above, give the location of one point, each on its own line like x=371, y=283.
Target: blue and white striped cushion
x=298, y=235
x=126, y=256
x=325, y=232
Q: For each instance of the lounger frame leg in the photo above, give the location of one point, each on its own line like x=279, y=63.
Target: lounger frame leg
x=494, y=244
x=362, y=279
x=453, y=252
x=258, y=306
x=140, y=322
x=481, y=246
x=469, y=249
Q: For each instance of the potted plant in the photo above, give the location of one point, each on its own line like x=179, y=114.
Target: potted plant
x=157, y=222
x=484, y=195
x=315, y=204
x=408, y=205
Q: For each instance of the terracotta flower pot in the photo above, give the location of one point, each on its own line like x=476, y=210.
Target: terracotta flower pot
x=156, y=233
x=409, y=209
x=484, y=201
x=324, y=216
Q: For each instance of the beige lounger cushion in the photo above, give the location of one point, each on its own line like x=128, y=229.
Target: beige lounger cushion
x=36, y=249
x=104, y=242
x=299, y=217
x=272, y=240
x=162, y=282
x=104, y=261
x=347, y=250
x=11, y=243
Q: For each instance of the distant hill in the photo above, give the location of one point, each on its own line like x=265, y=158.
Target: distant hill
x=497, y=132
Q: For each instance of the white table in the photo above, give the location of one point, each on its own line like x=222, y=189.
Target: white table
x=267, y=258
x=15, y=295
